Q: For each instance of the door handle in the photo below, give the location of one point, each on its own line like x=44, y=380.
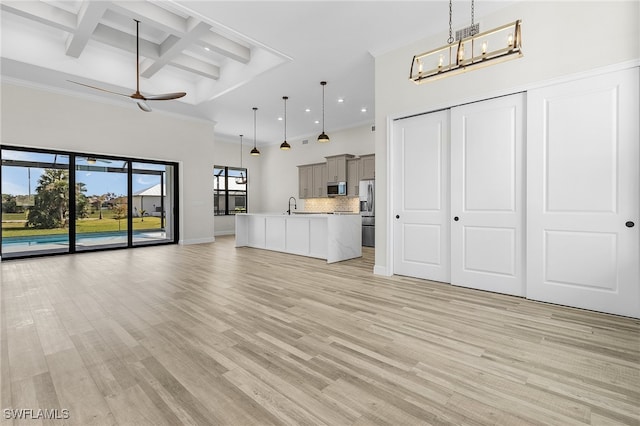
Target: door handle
x=397, y=216
x=456, y=218
x=629, y=224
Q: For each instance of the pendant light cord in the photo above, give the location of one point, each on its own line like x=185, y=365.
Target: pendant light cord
x=473, y=28
x=241, y=151
x=285, y=118
x=450, y=39
x=323, y=84
x=254, y=127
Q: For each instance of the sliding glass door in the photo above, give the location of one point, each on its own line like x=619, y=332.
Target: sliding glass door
x=115, y=202
x=35, y=202
x=102, y=195
x=153, y=202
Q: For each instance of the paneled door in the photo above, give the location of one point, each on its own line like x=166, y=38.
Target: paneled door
x=583, y=191
x=487, y=195
x=421, y=201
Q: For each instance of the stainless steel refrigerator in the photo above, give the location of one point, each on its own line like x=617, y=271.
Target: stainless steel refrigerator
x=368, y=211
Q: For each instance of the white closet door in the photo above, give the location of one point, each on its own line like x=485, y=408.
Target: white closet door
x=583, y=192
x=421, y=203
x=487, y=195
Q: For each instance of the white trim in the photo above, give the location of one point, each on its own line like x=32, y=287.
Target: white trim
x=381, y=270
x=197, y=241
x=520, y=88
x=390, y=206
x=228, y=232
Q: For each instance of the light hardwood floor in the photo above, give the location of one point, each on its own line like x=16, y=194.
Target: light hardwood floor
x=212, y=335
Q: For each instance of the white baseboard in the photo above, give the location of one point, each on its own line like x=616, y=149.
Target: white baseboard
x=222, y=233
x=381, y=270
x=197, y=241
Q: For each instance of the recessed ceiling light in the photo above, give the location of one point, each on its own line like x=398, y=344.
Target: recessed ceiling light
x=340, y=100
x=207, y=49
x=363, y=110
x=279, y=118
x=307, y=110
x=317, y=121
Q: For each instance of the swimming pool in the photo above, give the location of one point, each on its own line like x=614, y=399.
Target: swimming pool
x=56, y=242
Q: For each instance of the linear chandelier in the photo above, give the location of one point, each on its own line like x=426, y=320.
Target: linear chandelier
x=476, y=51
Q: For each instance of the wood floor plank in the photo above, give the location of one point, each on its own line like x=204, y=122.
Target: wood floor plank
x=212, y=334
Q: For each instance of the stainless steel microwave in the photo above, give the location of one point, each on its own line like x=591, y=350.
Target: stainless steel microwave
x=335, y=189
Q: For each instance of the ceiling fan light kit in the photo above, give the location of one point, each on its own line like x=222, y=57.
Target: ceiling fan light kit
x=478, y=50
x=137, y=96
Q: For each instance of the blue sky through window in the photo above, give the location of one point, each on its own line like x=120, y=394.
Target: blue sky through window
x=18, y=180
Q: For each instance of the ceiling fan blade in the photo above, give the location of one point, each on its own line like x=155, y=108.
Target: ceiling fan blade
x=98, y=88
x=165, y=97
x=143, y=106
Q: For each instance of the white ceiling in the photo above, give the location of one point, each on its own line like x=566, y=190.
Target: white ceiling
x=257, y=53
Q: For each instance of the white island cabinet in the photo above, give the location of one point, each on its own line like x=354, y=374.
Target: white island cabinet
x=333, y=237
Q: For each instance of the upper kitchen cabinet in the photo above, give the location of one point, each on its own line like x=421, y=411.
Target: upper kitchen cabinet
x=367, y=167
x=353, y=177
x=305, y=181
x=337, y=167
x=319, y=180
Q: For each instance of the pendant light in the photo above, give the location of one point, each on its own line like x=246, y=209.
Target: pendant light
x=285, y=145
x=254, y=151
x=472, y=51
x=323, y=138
x=242, y=179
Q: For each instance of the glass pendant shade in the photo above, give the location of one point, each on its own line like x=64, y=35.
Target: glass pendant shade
x=323, y=138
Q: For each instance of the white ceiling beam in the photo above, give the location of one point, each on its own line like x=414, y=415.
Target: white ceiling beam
x=226, y=47
x=196, y=66
x=87, y=21
x=151, y=52
x=125, y=41
x=147, y=12
x=173, y=47
x=43, y=13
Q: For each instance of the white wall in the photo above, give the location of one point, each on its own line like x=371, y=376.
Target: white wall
x=559, y=39
x=43, y=119
x=279, y=178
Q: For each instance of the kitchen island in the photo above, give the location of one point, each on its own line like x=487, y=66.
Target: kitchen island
x=334, y=237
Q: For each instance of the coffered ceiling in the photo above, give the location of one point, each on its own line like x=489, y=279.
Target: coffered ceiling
x=228, y=56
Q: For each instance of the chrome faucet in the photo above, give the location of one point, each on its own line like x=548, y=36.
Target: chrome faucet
x=294, y=205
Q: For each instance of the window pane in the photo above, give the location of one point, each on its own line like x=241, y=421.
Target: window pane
x=101, y=203
x=229, y=190
x=35, y=203
x=153, y=203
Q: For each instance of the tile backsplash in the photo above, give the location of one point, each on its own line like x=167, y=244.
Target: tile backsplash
x=332, y=204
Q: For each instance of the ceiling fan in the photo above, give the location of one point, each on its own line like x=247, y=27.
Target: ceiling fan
x=137, y=96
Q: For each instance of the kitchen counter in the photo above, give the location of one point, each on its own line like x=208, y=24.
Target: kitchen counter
x=334, y=237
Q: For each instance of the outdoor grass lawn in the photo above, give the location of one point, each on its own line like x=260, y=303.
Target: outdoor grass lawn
x=17, y=229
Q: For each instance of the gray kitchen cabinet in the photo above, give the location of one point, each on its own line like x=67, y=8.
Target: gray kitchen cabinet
x=337, y=167
x=305, y=181
x=319, y=172
x=353, y=177
x=367, y=166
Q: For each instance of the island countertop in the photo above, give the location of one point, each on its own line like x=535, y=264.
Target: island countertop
x=334, y=237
